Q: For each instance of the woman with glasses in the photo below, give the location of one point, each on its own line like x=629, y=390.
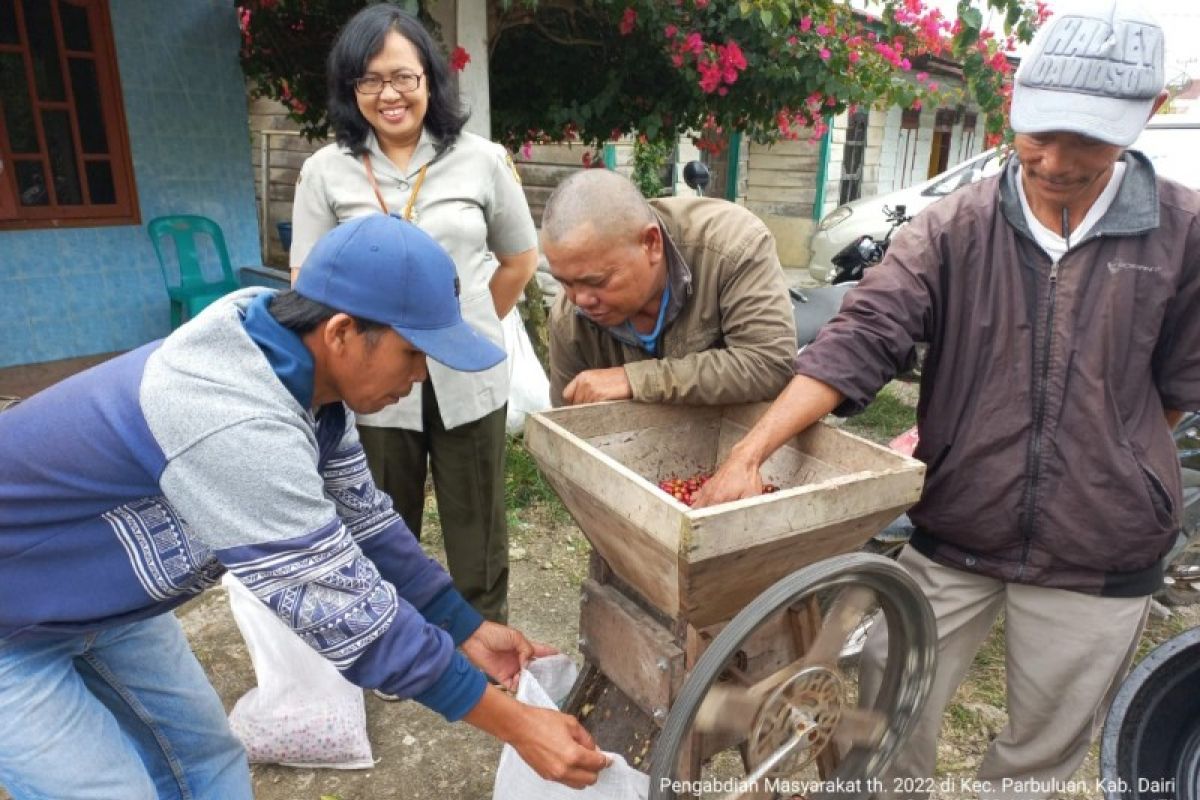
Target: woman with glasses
x=401, y=149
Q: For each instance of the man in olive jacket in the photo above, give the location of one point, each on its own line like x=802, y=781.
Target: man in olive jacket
x=677, y=300
x=1061, y=304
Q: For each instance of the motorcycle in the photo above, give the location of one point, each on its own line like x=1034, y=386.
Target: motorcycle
x=850, y=262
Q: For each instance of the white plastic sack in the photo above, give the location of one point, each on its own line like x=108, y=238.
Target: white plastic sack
x=545, y=683
x=528, y=386
x=303, y=712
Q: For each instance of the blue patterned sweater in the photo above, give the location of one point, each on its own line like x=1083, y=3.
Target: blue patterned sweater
x=127, y=489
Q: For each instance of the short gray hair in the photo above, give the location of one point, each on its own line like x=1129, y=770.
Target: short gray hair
x=606, y=200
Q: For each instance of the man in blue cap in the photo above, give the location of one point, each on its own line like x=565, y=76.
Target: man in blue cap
x=230, y=445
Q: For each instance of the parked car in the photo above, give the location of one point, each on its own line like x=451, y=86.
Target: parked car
x=1169, y=144
x=866, y=216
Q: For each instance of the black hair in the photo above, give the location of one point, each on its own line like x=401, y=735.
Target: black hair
x=361, y=40
x=301, y=316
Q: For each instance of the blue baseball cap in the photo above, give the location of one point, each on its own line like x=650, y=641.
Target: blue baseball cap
x=386, y=270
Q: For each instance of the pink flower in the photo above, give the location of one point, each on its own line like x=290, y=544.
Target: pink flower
x=670, y=31
x=731, y=55
x=922, y=77
x=459, y=59
x=854, y=57
x=825, y=54
x=806, y=24
x=693, y=42
x=916, y=105
x=527, y=151
x=701, y=3
x=933, y=87
x=793, y=41
x=710, y=76
x=628, y=22
x=822, y=30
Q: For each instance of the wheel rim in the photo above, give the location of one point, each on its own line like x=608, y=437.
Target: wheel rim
x=801, y=724
x=1151, y=737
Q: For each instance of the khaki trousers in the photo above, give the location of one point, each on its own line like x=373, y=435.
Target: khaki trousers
x=1065, y=656
x=468, y=481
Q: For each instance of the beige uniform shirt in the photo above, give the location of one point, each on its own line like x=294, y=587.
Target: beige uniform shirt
x=471, y=203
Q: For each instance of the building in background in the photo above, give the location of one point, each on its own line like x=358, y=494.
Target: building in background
x=111, y=114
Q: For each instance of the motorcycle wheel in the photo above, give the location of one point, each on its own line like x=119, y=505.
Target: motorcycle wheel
x=801, y=725
x=1150, y=748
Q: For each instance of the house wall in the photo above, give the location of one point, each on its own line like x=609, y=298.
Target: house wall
x=78, y=291
x=781, y=187
x=269, y=124
x=782, y=178
x=897, y=172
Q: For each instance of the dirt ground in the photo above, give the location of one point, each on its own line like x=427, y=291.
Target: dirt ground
x=418, y=755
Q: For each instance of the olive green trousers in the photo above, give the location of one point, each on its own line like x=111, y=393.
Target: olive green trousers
x=467, y=463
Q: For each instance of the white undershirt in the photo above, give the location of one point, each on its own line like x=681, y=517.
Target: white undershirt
x=1053, y=242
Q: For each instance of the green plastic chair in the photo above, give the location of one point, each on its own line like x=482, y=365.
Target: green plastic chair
x=194, y=291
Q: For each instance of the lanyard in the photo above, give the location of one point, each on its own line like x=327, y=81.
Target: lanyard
x=410, y=213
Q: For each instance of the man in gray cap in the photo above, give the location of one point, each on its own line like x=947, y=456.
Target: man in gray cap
x=1061, y=304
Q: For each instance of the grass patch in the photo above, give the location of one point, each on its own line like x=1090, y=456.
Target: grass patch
x=884, y=419
x=524, y=485
x=1159, y=630
x=986, y=679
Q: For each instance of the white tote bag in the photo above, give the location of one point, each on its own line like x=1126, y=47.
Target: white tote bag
x=303, y=712
x=545, y=683
x=528, y=386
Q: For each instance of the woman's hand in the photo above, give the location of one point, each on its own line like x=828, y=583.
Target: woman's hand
x=510, y=278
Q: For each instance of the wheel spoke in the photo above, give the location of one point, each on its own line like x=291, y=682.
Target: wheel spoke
x=846, y=613
x=860, y=727
x=727, y=709
x=769, y=763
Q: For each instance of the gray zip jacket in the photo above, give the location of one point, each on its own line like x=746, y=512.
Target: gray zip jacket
x=1042, y=399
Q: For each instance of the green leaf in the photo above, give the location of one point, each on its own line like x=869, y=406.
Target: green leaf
x=767, y=16
x=972, y=18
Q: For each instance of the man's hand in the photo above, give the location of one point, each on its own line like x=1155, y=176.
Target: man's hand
x=737, y=478
x=594, y=385
x=803, y=402
x=558, y=748
x=553, y=744
x=502, y=652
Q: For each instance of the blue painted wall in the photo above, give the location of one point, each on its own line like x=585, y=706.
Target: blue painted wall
x=72, y=292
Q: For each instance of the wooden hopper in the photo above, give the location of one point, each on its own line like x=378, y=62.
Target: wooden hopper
x=605, y=461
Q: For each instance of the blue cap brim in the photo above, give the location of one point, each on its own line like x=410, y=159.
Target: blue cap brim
x=458, y=346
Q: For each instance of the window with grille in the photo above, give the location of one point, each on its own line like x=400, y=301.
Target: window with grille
x=943, y=134
x=64, y=149
x=853, y=156
x=968, y=128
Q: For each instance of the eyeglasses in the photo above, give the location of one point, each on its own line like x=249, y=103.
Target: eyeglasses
x=400, y=82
